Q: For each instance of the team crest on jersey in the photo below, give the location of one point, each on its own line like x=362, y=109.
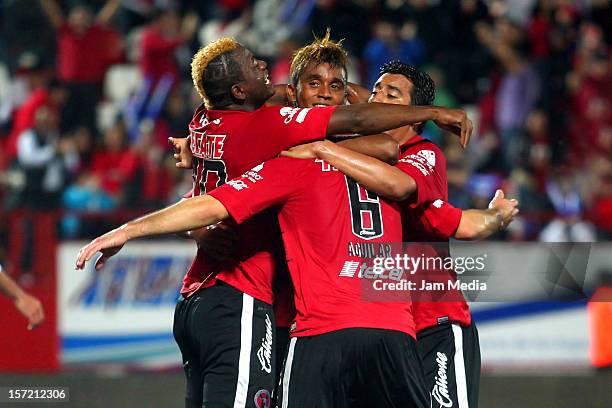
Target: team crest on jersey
x=262, y=399
x=438, y=203
x=429, y=155
x=288, y=113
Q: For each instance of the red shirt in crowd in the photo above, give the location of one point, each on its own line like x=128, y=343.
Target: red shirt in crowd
x=24, y=117
x=157, y=54
x=323, y=215
x=114, y=169
x=225, y=144
x=427, y=217
x=86, y=57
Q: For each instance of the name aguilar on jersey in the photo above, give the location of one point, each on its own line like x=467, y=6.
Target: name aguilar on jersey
x=369, y=250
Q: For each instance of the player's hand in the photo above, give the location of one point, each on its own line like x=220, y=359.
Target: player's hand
x=217, y=241
x=508, y=209
x=108, y=244
x=305, y=151
x=457, y=122
x=31, y=308
x=182, y=154
x=354, y=95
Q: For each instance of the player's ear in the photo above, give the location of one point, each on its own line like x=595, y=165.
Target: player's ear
x=291, y=95
x=238, y=93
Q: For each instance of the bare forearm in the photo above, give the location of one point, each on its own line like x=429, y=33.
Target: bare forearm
x=382, y=147
x=185, y=215
x=372, y=174
x=372, y=118
x=479, y=224
x=9, y=287
x=53, y=12
x=108, y=11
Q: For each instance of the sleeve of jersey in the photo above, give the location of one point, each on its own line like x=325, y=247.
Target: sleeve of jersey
x=438, y=218
x=421, y=167
x=264, y=186
x=286, y=127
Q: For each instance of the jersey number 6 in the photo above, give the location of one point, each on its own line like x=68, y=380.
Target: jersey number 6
x=366, y=216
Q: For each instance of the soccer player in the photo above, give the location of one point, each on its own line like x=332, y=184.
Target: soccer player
x=318, y=78
x=224, y=323
x=27, y=305
x=419, y=182
x=344, y=351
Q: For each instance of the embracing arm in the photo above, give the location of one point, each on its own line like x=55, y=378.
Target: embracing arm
x=372, y=174
x=382, y=147
x=480, y=224
x=185, y=215
x=372, y=118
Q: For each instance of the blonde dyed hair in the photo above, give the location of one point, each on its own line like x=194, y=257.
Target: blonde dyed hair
x=320, y=51
x=202, y=59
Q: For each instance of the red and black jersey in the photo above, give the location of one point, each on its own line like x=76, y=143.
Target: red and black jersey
x=225, y=144
x=323, y=216
x=427, y=217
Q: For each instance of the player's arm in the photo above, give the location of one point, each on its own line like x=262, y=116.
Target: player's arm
x=357, y=93
x=374, y=175
x=28, y=305
x=480, y=224
x=53, y=12
x=372, y=118
x=382, y=147
x=185, y=215
x=107, y=12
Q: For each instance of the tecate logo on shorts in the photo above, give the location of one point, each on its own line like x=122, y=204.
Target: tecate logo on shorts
x=264, y=353
x=440, y=390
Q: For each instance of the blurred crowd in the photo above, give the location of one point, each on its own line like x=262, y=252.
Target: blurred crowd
x=91, y=90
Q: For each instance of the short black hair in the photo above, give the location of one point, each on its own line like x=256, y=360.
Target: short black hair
x=423, y=88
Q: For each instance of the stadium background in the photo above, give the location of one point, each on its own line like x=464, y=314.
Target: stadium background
x=534, y=75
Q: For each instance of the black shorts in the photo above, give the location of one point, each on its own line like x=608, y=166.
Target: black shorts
x=226, y=339
x=282, y=342
x=353, y=368
x=451, y=359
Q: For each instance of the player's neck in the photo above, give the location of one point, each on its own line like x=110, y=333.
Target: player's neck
x=402, y=135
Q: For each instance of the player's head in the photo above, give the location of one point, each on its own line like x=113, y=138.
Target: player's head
x=318, y=74
x=403, y=84
x=226, y=73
